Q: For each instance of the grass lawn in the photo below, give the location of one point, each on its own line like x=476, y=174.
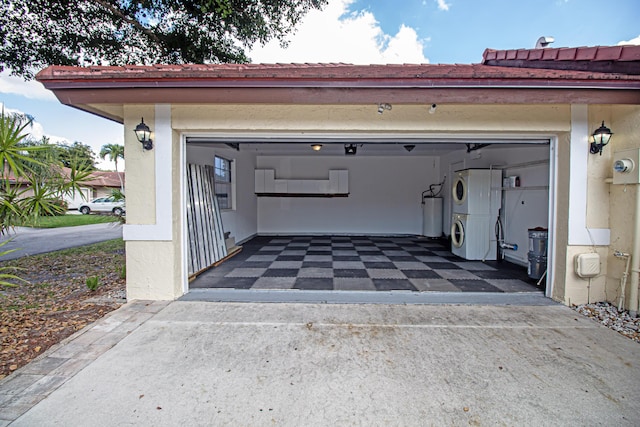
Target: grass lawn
x=69, y=221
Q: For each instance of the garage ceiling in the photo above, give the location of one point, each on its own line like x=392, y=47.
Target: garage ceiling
x=378, y=147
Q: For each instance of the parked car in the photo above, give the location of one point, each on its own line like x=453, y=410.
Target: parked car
x=103, y=204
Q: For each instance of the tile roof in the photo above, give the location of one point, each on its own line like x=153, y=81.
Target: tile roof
x=515, y=76
x=96, y=179
x=105, y=179
x=274, y=75
x=609, y=59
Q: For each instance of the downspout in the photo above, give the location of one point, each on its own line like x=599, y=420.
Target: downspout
x=635, y=258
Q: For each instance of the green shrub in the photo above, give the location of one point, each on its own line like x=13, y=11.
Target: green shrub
x=93, y=282
x=7, y=278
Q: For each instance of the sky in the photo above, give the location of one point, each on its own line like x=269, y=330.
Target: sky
x=377, y=32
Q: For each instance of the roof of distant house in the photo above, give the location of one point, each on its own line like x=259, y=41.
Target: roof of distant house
x=105, y=179
x=96, y=179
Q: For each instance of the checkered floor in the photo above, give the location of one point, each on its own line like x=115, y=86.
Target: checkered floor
x=360, y=263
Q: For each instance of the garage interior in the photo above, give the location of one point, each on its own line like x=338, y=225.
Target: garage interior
x=397, y=223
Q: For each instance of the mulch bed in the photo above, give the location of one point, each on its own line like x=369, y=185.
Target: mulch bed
x=56, y=302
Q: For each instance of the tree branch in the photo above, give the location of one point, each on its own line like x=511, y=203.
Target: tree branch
x=116, y=11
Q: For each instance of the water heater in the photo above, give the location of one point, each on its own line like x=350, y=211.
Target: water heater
x=432, y=216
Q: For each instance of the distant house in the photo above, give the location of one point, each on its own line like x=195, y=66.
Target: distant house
x=100, y=184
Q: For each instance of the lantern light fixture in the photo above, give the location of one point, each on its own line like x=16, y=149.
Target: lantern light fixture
x=143, y=133
x=599, y=139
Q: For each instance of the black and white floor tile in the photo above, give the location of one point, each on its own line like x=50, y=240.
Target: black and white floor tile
x=360, y=263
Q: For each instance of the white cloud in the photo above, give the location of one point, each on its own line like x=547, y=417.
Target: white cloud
x=333, y=35
x=442, y=5
x=635, y=40
x=30, y=89
x=36, y=130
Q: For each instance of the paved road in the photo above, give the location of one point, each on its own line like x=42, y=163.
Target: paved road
x=32, y=241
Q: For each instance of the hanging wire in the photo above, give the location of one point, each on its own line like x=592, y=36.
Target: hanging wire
x=432, y=192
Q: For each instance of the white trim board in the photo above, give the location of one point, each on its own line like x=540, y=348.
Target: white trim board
x=579, y=234
x=162, y=146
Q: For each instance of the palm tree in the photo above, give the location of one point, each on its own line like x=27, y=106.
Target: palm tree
x=15, y=159
x=114, y=152
x=12, y=153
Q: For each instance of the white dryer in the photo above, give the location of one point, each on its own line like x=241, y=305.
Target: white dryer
x=477, y=191
x=471, y=237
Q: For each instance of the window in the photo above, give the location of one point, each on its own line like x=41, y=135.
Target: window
x=224, y=189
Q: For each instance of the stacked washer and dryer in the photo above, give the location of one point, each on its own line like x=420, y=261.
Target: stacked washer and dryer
x=477, y=198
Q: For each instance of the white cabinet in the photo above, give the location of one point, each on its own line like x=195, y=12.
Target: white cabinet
x=266, y=184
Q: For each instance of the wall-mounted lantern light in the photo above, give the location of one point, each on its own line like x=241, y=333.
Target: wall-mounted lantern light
x=143, y=133
x=599, y=139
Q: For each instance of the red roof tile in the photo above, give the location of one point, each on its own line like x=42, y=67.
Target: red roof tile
x=534, y=54
x=490, y=54
x=594, y=53
x=273, y=75
x=96, y=179
x=605, y=59
x=84, y=87
x=105, y=179
x=586, y=53
x=567, y=54
x=629, y=54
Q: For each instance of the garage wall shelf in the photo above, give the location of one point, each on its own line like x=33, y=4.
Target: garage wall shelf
x=538, y=187
x=266, y=185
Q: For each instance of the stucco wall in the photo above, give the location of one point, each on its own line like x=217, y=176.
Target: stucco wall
x=608, y=206
x=625, y=123
x=448, y=118
x=140, y=168
x=154, y=267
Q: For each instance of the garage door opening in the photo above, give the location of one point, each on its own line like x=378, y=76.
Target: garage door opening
x=371, y=237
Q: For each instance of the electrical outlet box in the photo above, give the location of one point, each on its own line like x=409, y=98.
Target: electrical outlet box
x=587, y=265
x=626, y=166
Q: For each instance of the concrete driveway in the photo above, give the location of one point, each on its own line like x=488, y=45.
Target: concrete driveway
x=32, y=241
x=242, y=364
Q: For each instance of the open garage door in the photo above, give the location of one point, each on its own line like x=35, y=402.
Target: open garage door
x=387, y=178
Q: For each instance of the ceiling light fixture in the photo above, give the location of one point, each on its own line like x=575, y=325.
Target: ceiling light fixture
x=383, y=106
x=350, y=149
x=316, y=147
x=409, y=147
